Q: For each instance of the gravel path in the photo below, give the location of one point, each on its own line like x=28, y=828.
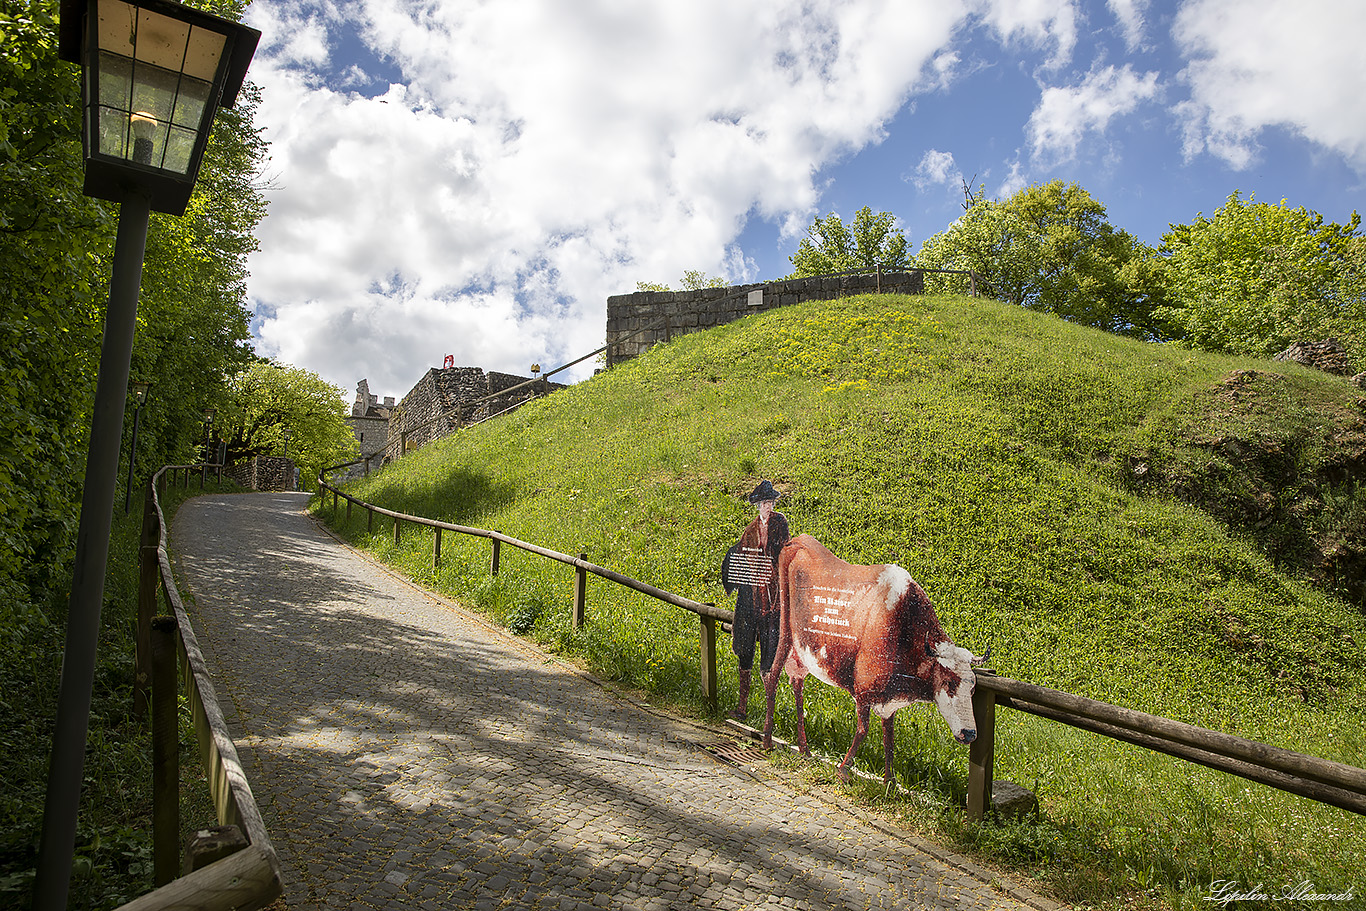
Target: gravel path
x=406, y=754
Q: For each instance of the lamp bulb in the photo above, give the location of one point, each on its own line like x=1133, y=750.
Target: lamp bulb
x=144, y=126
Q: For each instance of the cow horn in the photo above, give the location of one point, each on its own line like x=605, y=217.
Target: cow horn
x=929, y=649
x=983, y=658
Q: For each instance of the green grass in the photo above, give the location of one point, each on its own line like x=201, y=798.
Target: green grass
x=113, y=852
x=1060, y=493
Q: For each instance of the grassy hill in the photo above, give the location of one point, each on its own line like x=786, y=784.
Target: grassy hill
x=1166, y=530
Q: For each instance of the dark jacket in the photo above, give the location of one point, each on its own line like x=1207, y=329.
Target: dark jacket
x=751, y=572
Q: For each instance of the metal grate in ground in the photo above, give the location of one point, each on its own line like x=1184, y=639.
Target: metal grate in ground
x=735, y=753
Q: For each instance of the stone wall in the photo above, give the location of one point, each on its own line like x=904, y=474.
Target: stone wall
x=262, y=473
x=1328, y=356
x=444, y=400
x=372, y=435
x=682, y=312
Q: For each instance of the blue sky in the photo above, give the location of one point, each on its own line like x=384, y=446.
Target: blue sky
x=475, y=178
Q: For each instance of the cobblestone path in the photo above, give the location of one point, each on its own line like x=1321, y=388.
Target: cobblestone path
x=408, y=755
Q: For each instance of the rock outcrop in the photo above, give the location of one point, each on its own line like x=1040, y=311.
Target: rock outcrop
x=1328, y=356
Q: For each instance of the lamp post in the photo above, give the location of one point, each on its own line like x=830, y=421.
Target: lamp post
x=208, y=433
x=140, y=389
x=153, y=73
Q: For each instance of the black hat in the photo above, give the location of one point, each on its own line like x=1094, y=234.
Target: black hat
x=764, y=492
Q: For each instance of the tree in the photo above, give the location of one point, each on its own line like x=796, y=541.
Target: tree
x=274, y=408
x=1255, y=277
x=56, y=246
x=830, y=246
x=693, y=280
x=1051, y=248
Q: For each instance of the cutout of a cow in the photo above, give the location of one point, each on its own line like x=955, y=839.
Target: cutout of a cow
x=871, y=631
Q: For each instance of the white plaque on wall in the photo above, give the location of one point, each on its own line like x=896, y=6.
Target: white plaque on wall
x=756, y=298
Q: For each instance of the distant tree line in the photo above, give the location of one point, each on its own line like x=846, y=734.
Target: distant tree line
x=1250, y=279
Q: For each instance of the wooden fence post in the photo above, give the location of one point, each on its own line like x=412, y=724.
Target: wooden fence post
x=493, y=560
x=348, y=512
x=149, y=576
x=709, y=692
x=436, y=549
x=398, y=530
x=982, y=752
x=580, y=592
x=210, y=845
x=165, y=753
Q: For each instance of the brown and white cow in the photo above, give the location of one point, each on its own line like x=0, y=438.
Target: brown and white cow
x=871, y=631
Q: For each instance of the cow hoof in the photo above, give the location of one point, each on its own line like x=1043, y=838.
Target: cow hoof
x=843, y=773
x=739, y=714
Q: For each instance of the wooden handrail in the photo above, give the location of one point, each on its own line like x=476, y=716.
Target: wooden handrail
x=697, y=607
x=1324, y=780
x=247, y=879
x=707, y=614
x=1320, y=779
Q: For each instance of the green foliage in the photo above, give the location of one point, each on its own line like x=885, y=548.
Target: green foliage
x=55, y=250
x=113, y=859
x=1256, y=277
x=991, y=451
x=51, y=240
x=692, y=280
x=831, y=246
x=54, y=274
x=268, y=401
x=1051, y=248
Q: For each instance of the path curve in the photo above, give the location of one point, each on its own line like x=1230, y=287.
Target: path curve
x=406, y=754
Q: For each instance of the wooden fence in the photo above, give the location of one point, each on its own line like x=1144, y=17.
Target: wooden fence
x=1319, y=779
x=707, y=614
x=1308, y=776
x=239, y=868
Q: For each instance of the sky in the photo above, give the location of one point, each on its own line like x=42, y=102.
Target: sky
x=475, y=177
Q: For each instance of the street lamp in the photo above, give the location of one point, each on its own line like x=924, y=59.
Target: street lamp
x=287, y=433
x=140, y=388
x=153, y=73
x=208, y=432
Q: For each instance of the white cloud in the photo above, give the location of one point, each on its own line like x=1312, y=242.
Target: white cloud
x=937, y=168
x=1255, y=64
x=1065, y=115
x=1130, y=15
x=1038, y=23
x=531, y=157
x=1013, y=183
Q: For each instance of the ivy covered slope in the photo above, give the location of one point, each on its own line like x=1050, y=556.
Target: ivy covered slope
x=1103, y=512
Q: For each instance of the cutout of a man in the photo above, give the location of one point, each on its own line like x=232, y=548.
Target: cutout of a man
x=750, y=570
